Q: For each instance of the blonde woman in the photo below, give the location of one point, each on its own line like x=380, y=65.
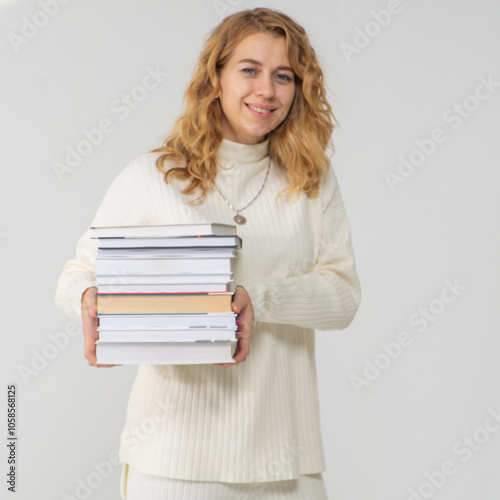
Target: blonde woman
x=250, y=148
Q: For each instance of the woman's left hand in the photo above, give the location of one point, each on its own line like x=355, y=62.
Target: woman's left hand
x=242, y=306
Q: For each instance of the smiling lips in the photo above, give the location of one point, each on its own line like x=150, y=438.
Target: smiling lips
x=261, y=109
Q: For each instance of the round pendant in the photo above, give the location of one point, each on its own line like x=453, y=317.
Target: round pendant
x=239, y=219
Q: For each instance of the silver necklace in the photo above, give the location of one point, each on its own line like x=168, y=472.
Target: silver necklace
x=239, y=219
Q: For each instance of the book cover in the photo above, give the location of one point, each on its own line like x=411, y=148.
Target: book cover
x=164, y=303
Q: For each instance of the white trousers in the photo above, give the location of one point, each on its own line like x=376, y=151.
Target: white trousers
x=139, y=486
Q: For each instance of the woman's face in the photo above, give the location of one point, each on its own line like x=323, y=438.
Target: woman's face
x=257, y=87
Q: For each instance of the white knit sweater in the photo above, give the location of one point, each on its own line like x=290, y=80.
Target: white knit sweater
x=258, y=421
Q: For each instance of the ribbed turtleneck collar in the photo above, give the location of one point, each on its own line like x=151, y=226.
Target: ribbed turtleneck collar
x=242, y=171
x=242, y=153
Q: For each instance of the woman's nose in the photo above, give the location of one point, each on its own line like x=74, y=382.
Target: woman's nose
x=265, y=86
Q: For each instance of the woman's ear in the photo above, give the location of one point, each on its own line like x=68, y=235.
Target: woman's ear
x=216, y=89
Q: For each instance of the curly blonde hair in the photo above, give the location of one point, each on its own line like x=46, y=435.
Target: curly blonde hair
x=298, y=144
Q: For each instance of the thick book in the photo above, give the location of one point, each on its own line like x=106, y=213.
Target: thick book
x=189, y=335
x=163, y=288
x=165, y=253
x=172, y=303
x=164, y=353
x=164, y=231
x=163, y=266
x=166, y=321
x=161, y=279
x=181, y=242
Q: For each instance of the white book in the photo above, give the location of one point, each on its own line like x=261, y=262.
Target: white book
x=164, y=353
x=164, y=231
x=162, y=266
x=165, y=279
x=182, y=242
x=164, y=253
x=190, y=335
x=166, y=321
x=160, y=288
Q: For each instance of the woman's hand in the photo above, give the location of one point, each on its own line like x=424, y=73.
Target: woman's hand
x=242, y=306
x=89, y=324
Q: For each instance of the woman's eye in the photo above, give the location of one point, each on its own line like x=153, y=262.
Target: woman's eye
x=248, y=71
x=283, y=77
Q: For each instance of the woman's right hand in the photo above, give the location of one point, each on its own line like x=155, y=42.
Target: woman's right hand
x=89, y=324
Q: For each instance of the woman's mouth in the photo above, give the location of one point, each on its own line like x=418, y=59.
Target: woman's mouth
x=259, y=110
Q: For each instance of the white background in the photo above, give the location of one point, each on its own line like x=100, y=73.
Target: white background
x=439, y=223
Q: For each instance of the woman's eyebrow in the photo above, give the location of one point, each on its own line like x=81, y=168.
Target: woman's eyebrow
x=258, y=63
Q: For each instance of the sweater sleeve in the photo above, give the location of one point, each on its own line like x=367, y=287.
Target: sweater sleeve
x=118, y=207
x=328, y=296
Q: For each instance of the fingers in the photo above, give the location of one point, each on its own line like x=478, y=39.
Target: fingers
x=240, y=354
x=89, y=325
x=242, y=350
x=90, y=335
x=242, y=306
x=243, y=334
x=241, y=300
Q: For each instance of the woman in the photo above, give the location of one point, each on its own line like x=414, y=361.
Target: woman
x=249, y=148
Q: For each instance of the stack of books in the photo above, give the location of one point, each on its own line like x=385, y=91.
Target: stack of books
x=163, y=294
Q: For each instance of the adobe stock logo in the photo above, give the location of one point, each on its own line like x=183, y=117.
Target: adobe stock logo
x=421, y=320
x=454, y=117
x=289, y=453
x=31, y=27
x=41, y=358
x=102, y=471
x=226, y=7
x=133, y=436
x=363, y=37
x=122, y=108
x=466, y=448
